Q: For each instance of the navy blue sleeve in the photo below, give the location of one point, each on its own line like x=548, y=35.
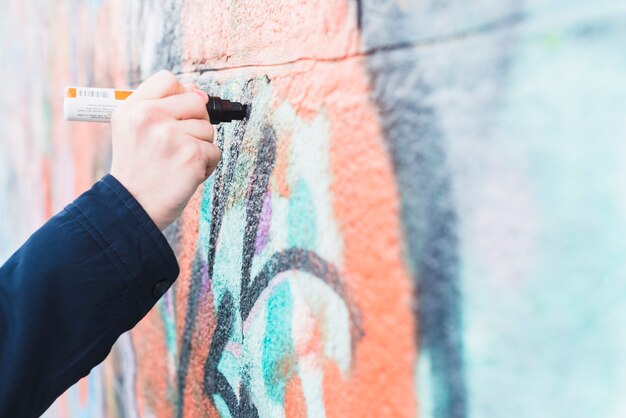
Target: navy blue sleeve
x=87, y=276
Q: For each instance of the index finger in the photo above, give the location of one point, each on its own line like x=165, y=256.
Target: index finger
x=161, y=84
x=185, y=106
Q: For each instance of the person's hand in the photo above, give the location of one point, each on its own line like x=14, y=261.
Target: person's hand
x=163, y=145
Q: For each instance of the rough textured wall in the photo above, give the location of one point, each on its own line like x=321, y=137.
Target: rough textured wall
x=424, y=215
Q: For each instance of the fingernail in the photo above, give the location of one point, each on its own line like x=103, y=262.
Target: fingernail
x=202, y=94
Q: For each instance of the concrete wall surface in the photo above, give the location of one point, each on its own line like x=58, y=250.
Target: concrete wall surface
x=425, y=214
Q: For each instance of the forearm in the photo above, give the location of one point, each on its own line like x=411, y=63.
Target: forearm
x=88, y=275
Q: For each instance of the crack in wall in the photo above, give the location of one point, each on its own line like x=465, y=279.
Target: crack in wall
x=507, y=22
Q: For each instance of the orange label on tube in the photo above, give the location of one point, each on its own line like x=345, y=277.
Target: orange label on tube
x=89, y=104
x=122, y=94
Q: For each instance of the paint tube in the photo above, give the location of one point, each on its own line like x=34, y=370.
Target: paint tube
x=91, y=104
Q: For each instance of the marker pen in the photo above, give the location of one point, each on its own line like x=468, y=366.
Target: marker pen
x=90, y=104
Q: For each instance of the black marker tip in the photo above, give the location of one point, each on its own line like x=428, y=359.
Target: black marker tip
x=221, y=110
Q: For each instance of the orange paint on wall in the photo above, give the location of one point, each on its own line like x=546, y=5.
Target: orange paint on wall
x=270, y=33
x=84, y=145
x=366, y=207
x=187, y=245
x=378, y=282
x=196, y=404
x=46, y=186
x=280, y=167
x=294, y=398
x=83, y=391
x=151, y=378
x=312, y=343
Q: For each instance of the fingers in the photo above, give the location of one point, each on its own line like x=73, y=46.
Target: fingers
x=185, y=106
x=194, y=88
x=211, y=156
x=161, y=84
x=179, y=101
x=190, y=86
x=198, y=128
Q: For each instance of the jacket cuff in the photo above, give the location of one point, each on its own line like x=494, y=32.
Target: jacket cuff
x=129, y=238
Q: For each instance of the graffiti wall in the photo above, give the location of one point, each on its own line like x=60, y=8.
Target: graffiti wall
x=425, y=214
